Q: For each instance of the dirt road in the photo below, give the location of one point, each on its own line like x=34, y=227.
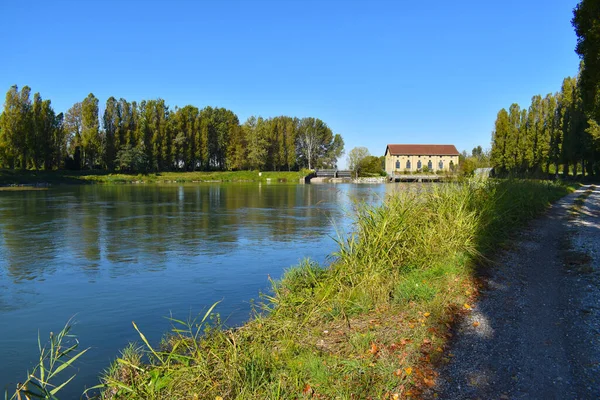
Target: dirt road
x=535, y=331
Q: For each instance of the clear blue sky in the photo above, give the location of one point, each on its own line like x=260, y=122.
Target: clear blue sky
x=376, y=72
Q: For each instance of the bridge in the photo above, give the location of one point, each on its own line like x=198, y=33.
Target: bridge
x=333, y=173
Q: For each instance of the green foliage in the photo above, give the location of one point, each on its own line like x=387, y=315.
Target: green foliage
x=316, y=145
x=556, y=130
x=47, y=378
x=132, y=159
x=586, y=21
x=371, y=166
x=183, y=139
x=90, y=131
x=355, y=158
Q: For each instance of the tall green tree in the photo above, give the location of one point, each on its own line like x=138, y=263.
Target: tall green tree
x=72, y=127
x=112, y=131
x=316, y=145
x=90, y=131
x=16, y=126
x=586, y=21
x=500, y=136
x=255, y=131
x=355, y=158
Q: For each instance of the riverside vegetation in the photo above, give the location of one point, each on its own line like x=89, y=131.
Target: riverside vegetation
x=18, y=177
x=370, y=325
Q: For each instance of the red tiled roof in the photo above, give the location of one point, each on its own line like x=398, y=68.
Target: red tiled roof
x=423, y=149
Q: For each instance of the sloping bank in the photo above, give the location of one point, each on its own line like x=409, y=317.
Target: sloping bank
x=370, y=325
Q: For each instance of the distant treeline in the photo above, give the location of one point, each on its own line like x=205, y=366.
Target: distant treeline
x=148, y=136
x=559, y=132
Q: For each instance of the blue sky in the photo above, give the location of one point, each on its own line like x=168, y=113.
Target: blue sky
x=376, y=72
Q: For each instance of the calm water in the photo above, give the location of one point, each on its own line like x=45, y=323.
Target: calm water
x=109, y=255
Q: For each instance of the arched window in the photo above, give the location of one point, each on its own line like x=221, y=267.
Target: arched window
x=419, y=165
x=407, y=164
x=430, y=165
x=441, y=164
x=397, y=164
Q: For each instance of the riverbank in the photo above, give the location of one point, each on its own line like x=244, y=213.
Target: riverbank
x=28, y=177
x=372, y=324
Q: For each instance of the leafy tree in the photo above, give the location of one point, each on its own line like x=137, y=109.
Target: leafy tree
x=355, y=159
x=16, y=126
x=255, y=133
x=132, y=159
x=316, y=145
x=499, y=139
x=371, y=165
x=72, y=127
x=112, y=131
x=90, y=130
x=586, y=21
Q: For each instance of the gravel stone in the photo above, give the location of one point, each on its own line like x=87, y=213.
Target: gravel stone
x=538, y=335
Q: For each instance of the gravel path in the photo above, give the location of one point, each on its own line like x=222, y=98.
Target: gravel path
x=538, y=331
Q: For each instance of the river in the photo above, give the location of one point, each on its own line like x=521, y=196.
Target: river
x=107, y=255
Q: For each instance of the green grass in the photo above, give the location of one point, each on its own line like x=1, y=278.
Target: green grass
x=371, y=324
x=18, y=177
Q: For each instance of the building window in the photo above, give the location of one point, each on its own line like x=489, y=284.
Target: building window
x=441, y=164
x=430, y=165
x=419, y=165
x=407, y=164
x=397, y=164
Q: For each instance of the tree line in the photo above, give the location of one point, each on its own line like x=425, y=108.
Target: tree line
x=149, y=136
x=558, y=132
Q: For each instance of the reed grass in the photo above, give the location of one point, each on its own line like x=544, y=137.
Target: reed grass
x=372, y=324
x=48, y=378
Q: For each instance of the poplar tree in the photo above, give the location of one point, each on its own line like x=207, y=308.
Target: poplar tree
x=256, y=136
x=586, y=21
x=112, y=131
x=90, y=130
x=500, y=136
x=72, y=127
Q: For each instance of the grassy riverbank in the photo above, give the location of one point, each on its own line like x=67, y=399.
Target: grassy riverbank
x=371, y=324
x=18, y=177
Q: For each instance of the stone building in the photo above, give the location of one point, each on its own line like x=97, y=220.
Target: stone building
x=410, y=158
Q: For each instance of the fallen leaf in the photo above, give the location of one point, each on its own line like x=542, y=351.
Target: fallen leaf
x=398, y=372
x=218, y=398
x=466, y=306
x=307, y=390
x=374, y=348
x=426, y=314
x=426, y=341
x=408, y=371
x=395, y=396
x=429, y=382
x=476, y=324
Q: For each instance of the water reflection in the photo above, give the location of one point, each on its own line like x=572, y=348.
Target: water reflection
x=84, y=226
